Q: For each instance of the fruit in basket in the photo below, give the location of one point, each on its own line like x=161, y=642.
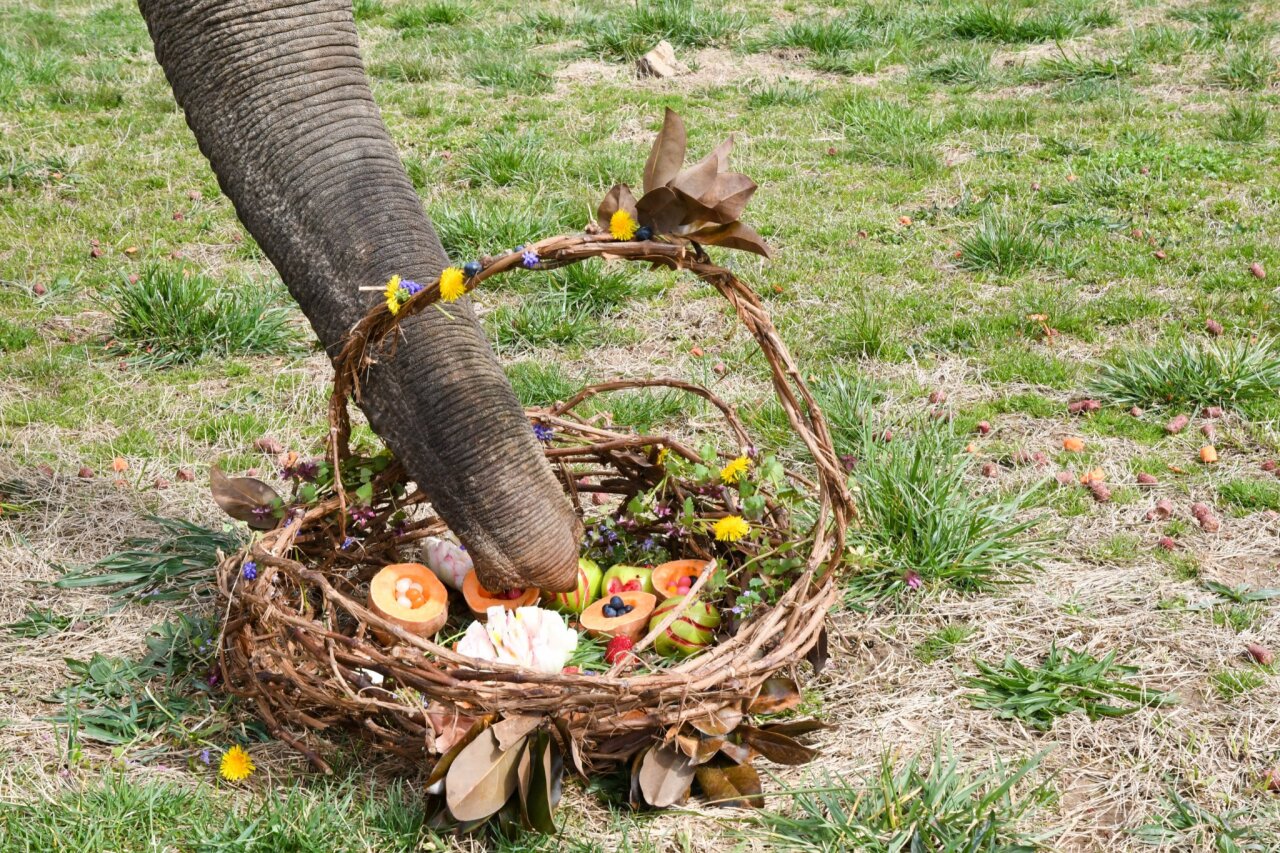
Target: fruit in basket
x=409, y=595
x=691, y=632
x=605, y=618
x=619, y=648
x=676, y=577
x=623, y=578
x=480, y=599
x=587, y=590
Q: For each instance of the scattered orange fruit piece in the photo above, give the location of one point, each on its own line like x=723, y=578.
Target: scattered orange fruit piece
x=1073, y=445
x=904, y=220
x=1097, y=475
x=971, y=448
x=119, y=465
x=1208, y=454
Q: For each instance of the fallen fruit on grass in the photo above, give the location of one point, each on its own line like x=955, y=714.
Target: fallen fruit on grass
x=691, y=632
x=1083, y=406
x=1261, y=654
x=983, y=427
x=186, y=475
x=587, y=590
x=85, y=473
x=1208, y=455
x=1101, y=493
x=39, y=289
x=1167, y=543
x=1208, y=431
x=1163, y=509
x=410, y=596
x=1097, y=475
x=1136, y=411
x=1272, y=780
x=618, y=649
x=630, y=624
x=1204, y=515
x=990, y=470
x=937, y=396
x=623, y=578
x=1065, y=478
x=1211, y=412
x=267, y=444
x=1269, y=465
x=1213, y=327
x=1177, y=424
x=480, y=599
x=676, y=577
x=1257, y=270
x=1145, y=479
x=119, y=465
x=1073, y=445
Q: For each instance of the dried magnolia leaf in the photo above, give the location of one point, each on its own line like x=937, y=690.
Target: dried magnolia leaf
x=510, y=730
x=446, y=761
x=618, y=197
x=732, y=192
x=570, y=745
x=665, y=776
x=735, y=235
x=718, y=722
x=482, y=777
x=777, y=747
x=776, y=695
x=540, y=797
x=245, y=499
x=817, y=655
x=667, y=155
x=732, y=786
x=736, y=752
x=662, y=210
x=698, y=181
x=791, y=728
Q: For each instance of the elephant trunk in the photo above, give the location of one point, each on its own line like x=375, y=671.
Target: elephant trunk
x=277, y=97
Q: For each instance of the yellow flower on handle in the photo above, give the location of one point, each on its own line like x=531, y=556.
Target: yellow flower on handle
x=622, y=226
x=236, y=765
x=393, y=294
x=733, y=472
x=452, y=284
x=663, y=454
x=731, y=528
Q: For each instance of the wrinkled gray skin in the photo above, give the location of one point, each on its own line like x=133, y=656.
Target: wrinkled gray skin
x=277, y=97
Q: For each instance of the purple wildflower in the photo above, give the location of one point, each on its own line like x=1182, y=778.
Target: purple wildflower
x=913, y=580
x=261, y=511
x=250, y=570
x=411, y=287
x=363, y=515
x=736, y=610
x=348, y=542
x=543, y=432
x=204, y=756
x=529, y=259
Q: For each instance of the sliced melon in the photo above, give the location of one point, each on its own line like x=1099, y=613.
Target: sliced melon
x=480, y=599
x=667, y=575
x=631, y=624
x=421, y=609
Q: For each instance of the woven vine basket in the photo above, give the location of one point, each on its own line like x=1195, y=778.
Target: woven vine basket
x=300, y=644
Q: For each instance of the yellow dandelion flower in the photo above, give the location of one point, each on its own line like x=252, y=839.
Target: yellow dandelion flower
x=393, y=294
x=452, y=284
x=622, y=226
x=733, y=472
x=236, y=765
x=662, y=455
x=731, y=528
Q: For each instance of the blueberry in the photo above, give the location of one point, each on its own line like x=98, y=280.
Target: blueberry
x=616, y=602
x=609, y=612
x=628, y=608
x=644, y=232
x=471, y=268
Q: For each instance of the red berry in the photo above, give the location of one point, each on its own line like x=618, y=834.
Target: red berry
x=618, y=648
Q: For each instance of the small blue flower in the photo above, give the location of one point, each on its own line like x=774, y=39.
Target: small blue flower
x=529, y=259
x=348, y=542
x=736, y=609
x=412, y=287
x=204, y=756
x=543, y=432
x=250, y=570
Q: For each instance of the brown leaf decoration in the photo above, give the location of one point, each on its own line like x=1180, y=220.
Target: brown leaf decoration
x=482, y=777
x=618, y=198
x=718, y=722
x=818, y=655
x=446, y=761
x=541, y=788
x=667, y=155
x=700, y=748
x=735, y=235
x=245, y=499
x=570, y=745
x=665, y=776
x=732, y=786
x=776, y=695
x=777, y=747
x=510, y=730
x=739, y=753
x=662, y=210
x=791, y=728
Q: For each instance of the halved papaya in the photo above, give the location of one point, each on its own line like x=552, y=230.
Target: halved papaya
x=631, y=624
x=480, y=599
x=666, y=577
x=428, y=602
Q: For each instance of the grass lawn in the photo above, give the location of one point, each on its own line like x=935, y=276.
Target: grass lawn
x=983, y=212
